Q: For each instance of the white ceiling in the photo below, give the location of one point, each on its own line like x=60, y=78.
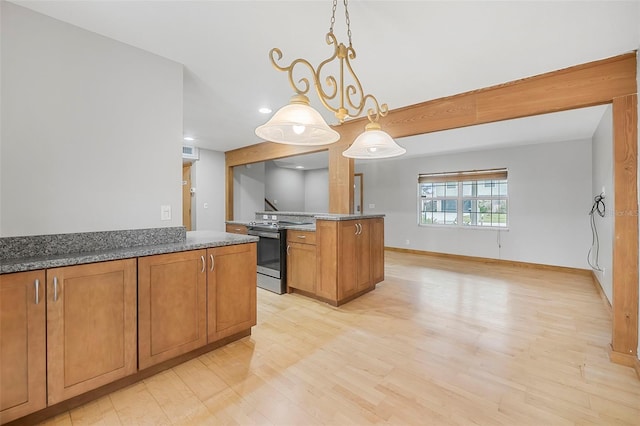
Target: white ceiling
x=407, y=52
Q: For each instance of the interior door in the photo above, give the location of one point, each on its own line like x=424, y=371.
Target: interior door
x=186, y=196
x=357, y=193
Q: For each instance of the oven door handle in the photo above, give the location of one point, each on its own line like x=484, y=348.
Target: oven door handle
x=275, y=236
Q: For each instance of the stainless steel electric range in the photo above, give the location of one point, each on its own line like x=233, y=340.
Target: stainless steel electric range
x=272, y=257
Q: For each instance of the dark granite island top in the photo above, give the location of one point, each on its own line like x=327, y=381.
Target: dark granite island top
x=301, y=221
x=19, y=254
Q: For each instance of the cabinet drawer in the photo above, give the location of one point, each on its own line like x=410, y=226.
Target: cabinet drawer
x=303, y=237
x=236, y=229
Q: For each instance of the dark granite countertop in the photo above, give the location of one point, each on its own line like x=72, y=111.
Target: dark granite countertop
x=301, y=216
x=319, y=216
x=238, y=222
x=310, y=227
x=194, y=240
x=335, y=216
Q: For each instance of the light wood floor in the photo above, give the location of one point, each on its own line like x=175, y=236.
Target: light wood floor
x=438, y=342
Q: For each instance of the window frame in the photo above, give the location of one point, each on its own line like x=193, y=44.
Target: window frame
x=462, y=179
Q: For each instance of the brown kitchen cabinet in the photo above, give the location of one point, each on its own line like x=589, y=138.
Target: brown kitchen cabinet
x=236, y=229
x=91, y=326
x=354, y=273
x=350, y=258
x=301, y=261
x=172, y=305
x=23, y=379
x=231, y=290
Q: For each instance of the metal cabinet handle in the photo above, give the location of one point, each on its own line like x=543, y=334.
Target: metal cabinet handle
x=237, y=229
x=288, y=247
x=55, y=289
x=213, y=262
x=37, y=284
x=360, y=226
x=302, y=236
x=202, y=259
x=356, y=225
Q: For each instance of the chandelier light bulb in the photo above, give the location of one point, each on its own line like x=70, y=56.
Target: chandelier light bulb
x=298, y=129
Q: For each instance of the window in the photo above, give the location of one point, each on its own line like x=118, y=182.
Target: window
x=474, y=198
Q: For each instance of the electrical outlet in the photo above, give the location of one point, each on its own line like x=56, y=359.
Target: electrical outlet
x=265, y=216
x=274, y=217
x=372, y=206
x=407, y=242
x=206, y=205
x=165, y=212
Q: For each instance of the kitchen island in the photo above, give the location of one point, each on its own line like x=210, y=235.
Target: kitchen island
x=330, y=257
x=85, y=314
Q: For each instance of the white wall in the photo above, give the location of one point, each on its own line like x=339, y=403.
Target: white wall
x=248, y=191
x=1, y=115
x=284, y=187
x=316, y=191
x=208, y=175
x=91, y=130
x=549, y=201
x=602, y=169
x=294, y=190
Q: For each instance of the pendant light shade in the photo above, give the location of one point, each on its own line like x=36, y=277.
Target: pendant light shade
x=373, y=143
x=298, y=124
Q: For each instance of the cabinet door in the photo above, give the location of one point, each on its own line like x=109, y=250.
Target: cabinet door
x=363, y=255
x=172, y=305
x=327, y=259
x=347, y=249
x=377, y=250
x=22, y=344
x=231, y=290
x=91, y=326
x=301, y=266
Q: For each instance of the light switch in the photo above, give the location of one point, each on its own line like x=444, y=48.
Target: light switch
x=206, y=205
x=372, y=206
x=165, y=212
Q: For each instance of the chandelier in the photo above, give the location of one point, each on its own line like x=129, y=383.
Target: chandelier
x=299, y=124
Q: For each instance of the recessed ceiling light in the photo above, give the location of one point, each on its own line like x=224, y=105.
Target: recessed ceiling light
x=265, y=110
x=189, y=138
x=299, y=167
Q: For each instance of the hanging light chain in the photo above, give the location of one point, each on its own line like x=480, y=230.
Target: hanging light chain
x=346, y=16
x=333, y=15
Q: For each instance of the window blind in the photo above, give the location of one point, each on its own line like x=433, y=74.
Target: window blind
x=492, y=174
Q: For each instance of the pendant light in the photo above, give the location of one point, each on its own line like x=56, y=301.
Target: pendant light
x=299, y=124
x=373, y=143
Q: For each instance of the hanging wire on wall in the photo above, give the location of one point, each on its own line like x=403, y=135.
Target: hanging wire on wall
x=598, y=208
